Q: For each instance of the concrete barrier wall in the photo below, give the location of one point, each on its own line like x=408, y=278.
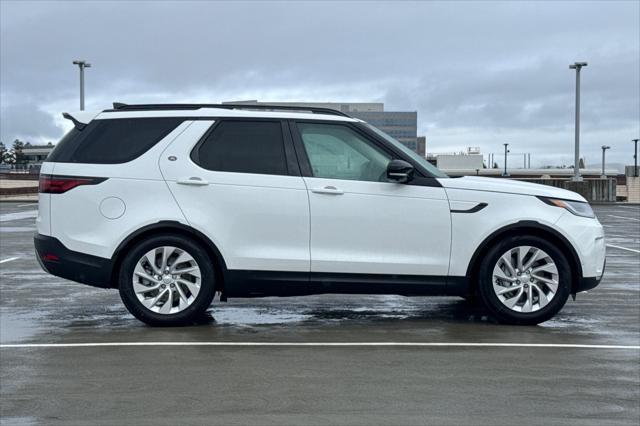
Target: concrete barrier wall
x=594, y=190
x=19, y=190
x=633, y=189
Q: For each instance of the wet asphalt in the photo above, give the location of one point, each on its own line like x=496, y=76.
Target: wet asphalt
x=352, y=385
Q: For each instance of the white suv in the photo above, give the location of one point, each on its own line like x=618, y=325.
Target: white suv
x=173, y=203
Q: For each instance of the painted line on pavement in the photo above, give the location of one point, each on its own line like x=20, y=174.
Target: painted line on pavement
x=624, y=217
x=9, y=259
x=27, y=214
x=320, y=344
x=623, y=248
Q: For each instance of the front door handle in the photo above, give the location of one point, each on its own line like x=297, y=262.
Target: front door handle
x=328, y=190
x=194, y=181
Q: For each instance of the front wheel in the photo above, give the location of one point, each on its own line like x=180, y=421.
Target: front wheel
x=167, y=280
x=524, y=280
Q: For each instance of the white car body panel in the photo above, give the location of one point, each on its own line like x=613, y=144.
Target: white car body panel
x=586, y=235
x=258, y=222
x=81, y=226
x=469, y=230
x=43, y=220
x=379, y=228
x=508, y=186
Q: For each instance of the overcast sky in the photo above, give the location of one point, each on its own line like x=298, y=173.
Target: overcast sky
x=478, y=73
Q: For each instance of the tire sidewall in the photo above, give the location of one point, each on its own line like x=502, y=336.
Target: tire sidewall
x=497, y=308
x=192, y=312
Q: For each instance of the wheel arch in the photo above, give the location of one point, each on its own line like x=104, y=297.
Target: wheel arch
x=527, y=227
x=169, y=227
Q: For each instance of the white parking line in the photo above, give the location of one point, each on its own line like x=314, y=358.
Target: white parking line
x=623, y=248
x=27, y=214
x=624, y=217
x=9, y=259
x=322, y=344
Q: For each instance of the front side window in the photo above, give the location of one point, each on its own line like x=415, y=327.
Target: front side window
x=244, y=147
x=338, y=152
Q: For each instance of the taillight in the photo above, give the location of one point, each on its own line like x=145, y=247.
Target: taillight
x=53, y=184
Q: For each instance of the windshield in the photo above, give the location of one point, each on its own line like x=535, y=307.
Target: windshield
x=435, y=172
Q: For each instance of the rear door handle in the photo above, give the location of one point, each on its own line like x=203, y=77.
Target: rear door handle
x=194, y=181
x=328, y=190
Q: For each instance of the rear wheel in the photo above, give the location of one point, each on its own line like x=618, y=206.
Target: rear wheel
x=167, y=280
x=524, y=280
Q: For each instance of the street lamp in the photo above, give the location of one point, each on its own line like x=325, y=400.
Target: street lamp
x=635, y=157
x=82, y=65
x=505, y=173
x=604, y=149
x=576, y=167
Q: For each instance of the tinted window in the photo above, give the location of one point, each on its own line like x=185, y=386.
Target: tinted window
x=338, y=152
x=244, y=147
x=112, y=141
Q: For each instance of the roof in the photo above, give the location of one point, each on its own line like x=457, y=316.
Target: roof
x=221, y=110
x=117, y=106
x=213, y=111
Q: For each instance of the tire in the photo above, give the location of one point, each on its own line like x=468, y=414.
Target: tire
x=551, y=265
x=190, y=287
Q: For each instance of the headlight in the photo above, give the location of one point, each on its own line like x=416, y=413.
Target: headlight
x=576, y=207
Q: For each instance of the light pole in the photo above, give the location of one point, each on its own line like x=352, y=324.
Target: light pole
x=505, y=173
x=82, y=65
x=635, y=157
x=576, y=165
x=604, y=149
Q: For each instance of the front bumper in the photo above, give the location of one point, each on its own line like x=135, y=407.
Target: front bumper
x=587, y=283
x=586, y=235
x=58, y=260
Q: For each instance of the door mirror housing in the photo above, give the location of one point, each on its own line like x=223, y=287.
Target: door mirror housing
x=399, y=171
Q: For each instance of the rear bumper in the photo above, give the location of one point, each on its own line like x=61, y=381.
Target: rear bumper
x=58, y=260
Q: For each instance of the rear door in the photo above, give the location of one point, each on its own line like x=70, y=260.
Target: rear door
x=360, y=222
x=240, y=185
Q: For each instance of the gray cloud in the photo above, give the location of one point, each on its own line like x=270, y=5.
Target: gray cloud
x=27, y=122
x=476, y=72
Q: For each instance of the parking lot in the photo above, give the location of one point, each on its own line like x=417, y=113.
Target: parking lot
x=331, y=359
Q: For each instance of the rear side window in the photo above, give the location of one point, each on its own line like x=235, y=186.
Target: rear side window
x=243, y=147
x=112, y=141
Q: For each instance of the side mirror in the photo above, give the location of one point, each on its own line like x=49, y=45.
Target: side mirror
x=399, y=171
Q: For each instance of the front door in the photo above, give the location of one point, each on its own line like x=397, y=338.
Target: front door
x=360, y=222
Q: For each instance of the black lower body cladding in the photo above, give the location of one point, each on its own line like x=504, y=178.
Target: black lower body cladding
x=58, y=260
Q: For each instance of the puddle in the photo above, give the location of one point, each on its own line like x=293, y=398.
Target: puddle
x=16, y=327
x=252, y=316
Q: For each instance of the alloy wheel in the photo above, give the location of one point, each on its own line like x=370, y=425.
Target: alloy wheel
x=167, y=280
x=525, y=279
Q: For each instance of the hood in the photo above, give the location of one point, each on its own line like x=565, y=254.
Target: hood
x=475, y=183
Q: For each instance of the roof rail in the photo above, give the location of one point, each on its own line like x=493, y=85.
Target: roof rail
x=117, y=106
